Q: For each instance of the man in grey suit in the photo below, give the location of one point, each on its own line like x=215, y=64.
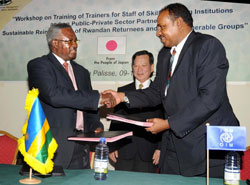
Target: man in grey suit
x=141, y=152
x=68, y=100
x=192, y=90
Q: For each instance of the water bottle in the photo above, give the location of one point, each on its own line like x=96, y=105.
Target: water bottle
x=232, y=169
x=101, y=160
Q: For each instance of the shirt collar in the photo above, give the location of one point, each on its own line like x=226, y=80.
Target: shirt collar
x=179, y=47
x=145, y=84
x=60, y=59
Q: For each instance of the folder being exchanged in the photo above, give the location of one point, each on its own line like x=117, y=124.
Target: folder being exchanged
x=129, y=119
x=111, y=136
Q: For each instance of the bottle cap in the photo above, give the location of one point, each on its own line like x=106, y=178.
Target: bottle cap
x=102, y=140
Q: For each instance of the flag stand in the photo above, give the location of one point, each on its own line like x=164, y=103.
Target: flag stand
x=30, y=180
x=37, y=139
x=207, y=124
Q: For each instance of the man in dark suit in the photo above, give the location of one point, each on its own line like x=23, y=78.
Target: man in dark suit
x=141, y=152
x=192, y=90
x=68, y=100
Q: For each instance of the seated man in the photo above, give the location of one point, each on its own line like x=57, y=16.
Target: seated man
x=139, y=154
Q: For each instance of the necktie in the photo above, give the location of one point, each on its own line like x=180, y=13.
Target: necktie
x=170, y=70
x=66, y=66
x=79, y=114
x=140, y=86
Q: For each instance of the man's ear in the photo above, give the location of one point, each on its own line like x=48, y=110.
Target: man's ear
x=54, y=44
x=152, y=68
x=179, y=22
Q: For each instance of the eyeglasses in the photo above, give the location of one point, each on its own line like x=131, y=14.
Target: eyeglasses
x=70, y=42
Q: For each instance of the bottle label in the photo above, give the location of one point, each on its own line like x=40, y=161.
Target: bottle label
x=101, y=166
x=232, y=177
x=231, y=182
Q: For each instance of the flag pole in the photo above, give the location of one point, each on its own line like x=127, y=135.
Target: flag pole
x=30, y=180
x=207, y=124
x=30, y=173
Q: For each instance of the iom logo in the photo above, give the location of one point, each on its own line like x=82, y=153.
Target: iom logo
x=5, y=2
x=226, y=138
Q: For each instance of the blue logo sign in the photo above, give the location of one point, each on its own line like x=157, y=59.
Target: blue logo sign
x=226, y=138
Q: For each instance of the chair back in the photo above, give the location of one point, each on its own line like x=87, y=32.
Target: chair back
x=245, y=168
x=8, y=148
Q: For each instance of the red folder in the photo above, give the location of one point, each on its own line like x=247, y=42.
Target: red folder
x=128, y=119
x=110, y=136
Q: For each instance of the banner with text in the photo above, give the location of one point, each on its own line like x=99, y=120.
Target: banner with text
x=111, y=32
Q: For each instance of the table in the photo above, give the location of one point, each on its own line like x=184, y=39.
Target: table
x=9, y=175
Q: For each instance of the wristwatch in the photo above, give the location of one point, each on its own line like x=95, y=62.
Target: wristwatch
x=126, y=100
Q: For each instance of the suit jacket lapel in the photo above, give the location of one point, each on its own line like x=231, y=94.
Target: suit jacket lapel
x=60, y=68
x=134, y=86
x=165, y=69
x=184, y=49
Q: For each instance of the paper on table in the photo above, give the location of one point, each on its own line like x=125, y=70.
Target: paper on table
x=110, y=136
x=125, y=119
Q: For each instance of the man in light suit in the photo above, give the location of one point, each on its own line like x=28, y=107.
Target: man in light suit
x=141, y=152
x=68, y=100
x=192, y=91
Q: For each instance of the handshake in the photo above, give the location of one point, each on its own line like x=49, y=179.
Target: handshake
x=111, y=98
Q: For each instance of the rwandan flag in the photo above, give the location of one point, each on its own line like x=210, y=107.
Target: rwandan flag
x=37, y=144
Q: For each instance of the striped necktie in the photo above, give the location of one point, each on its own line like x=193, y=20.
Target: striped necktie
x=170, y=71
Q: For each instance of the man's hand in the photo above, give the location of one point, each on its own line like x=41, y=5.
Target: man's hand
x=113, y=156
x=108, y=100
x=115, y=98
x=156, y=157
x=98, y=130
x=159, y=125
